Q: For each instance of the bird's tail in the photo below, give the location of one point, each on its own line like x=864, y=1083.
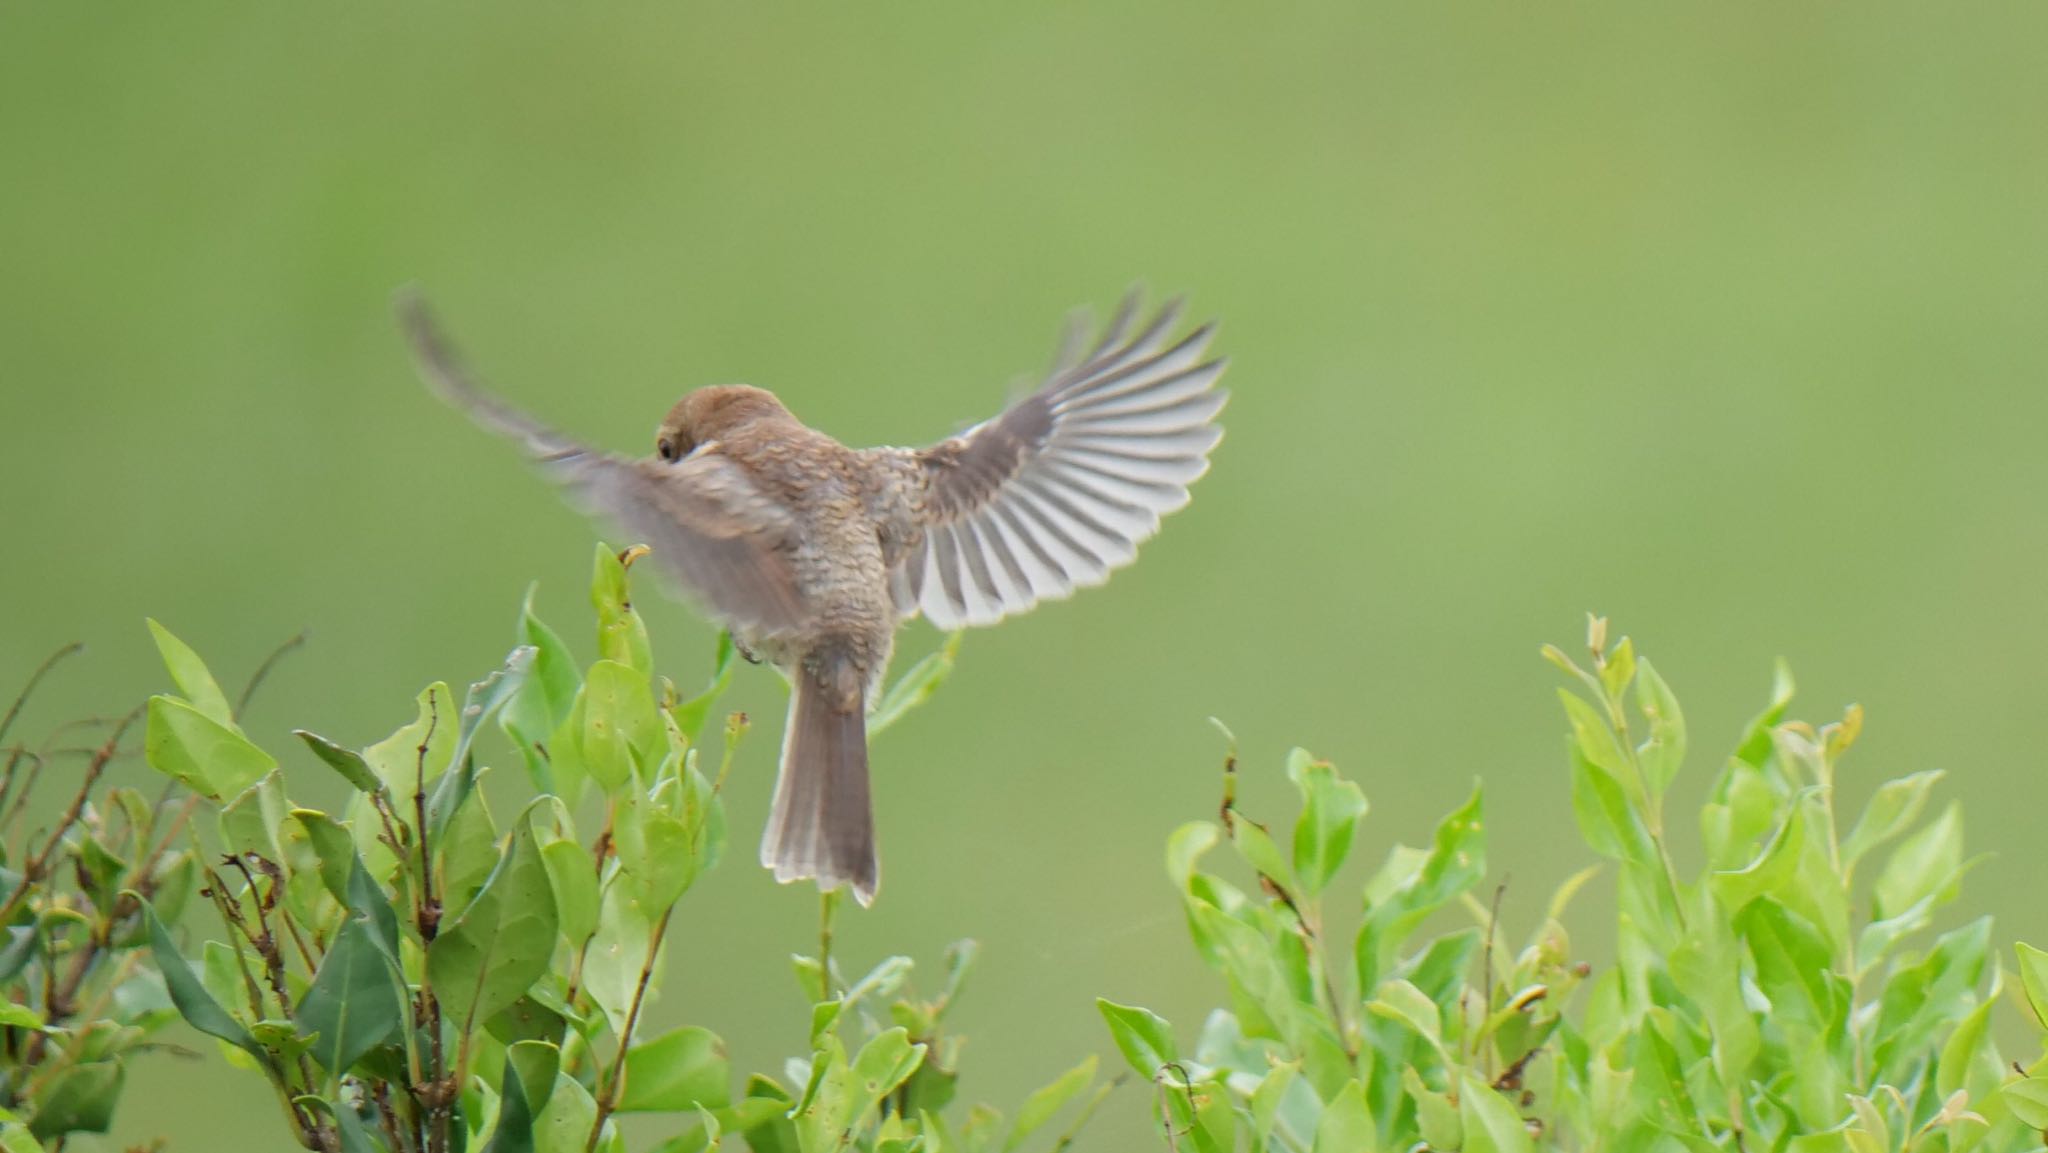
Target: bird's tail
x=822, y=826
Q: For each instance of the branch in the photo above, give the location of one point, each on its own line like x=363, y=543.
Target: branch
x=263, y=670
x=34, y=679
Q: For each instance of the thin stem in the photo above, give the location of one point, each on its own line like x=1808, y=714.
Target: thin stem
x=615, y=1079
x=263, y=670
x=1066, y=1139
x=36, y=867
x=429, y=909
x=827, y=905
x=34, y=679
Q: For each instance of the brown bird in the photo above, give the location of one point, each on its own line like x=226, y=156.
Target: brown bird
x=813, y=553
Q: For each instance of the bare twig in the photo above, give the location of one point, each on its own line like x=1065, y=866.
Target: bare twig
x=263, y=670
x=35, y=678
x=37, y=866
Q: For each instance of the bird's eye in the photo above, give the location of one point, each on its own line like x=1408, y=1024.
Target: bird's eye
x=666, y=447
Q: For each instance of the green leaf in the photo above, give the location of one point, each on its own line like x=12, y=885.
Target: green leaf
x=529, y=1019
x=1435, y=1114
x=397, y=759
x=915, y=686
x=574, y=878
x=1142, y=1036
x=2028, y=1100
x=1331, y=808
x=1757, y=741
x=1347, y=1125
x=656, y=850
x=514, y=1131
x=194, y=1003
x=503, y=941
x=354, y=1003
x=1610, y=825
x=1792, y=962
x=612, y=961
x=620, y=725
x=885, y=1062
x=1410, y=887
x=1892, y=809
x=1491, y=1124
x=484, y=698
x=349, y=763
x=190, y=674
x=1921, y=865
x=544, y=697
x=1663, y=750
x=2034, y=980
x=1401, y=1001
x=78, y=1100
x=1260, y=851
x=681, y=1070
x=537, y=1063
x=621, y=634
x=1775, y=866
x=469, y=852
x=332, y=847
x=691, y=715
x=20, y=1016
x=1596, y=741
x=1043, y=1105
x=1967, y=1045
x=368, y=899
x=249, y=822
x=202, y=754
x=564, y=1125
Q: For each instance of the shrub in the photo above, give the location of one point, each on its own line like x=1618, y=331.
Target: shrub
x=419, y=974
x=77, y=998
x=1784, y=995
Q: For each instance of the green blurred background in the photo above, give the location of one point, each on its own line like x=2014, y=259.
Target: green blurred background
x=1725, y=320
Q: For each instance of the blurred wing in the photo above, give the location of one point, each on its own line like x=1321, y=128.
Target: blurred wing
x=1060, y=489
x=723, y=539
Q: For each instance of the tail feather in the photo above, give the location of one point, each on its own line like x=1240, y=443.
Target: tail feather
x=822, y=825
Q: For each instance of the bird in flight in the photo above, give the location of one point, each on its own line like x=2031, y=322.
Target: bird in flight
x=812, y=554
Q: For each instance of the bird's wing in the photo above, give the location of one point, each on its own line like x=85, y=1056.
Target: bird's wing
x=712, y=528
x=1060, y=489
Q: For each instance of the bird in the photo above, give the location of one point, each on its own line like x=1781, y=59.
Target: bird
x=813, y=554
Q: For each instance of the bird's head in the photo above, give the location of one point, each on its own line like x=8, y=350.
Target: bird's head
x=713, y=413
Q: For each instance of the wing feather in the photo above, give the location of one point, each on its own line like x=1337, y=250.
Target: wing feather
x=724, y=541
x=1062, y=488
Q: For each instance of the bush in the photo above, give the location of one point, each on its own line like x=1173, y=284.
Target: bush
x=77, y=998
x=1783, y=996
x=419, y=975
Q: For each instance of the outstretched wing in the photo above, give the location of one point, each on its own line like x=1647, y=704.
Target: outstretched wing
x=723, y=540
x=1060, y=489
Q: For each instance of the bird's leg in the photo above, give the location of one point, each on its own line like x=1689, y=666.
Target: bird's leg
x=745, y=651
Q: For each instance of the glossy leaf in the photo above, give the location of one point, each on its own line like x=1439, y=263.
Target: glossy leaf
x=194, y=1002
x=1331, y=808
x=1142, y=1036
x=79, y=1099
x=1346, y=1125
x=353, y=1004
x=681, y=1070
x=491, y=955
x=200, y=753
x=349, y=763
x=192, y=677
